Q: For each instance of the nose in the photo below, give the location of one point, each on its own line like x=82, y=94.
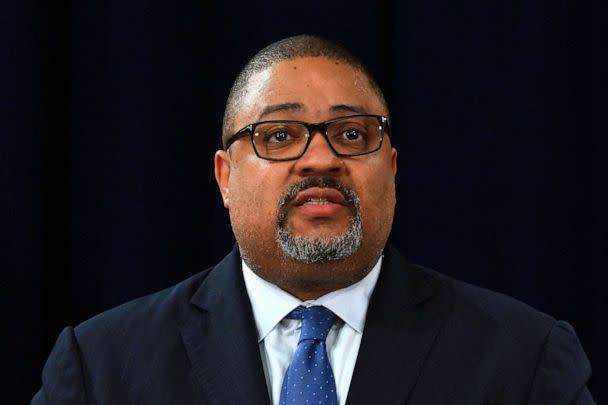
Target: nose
x=319, y=158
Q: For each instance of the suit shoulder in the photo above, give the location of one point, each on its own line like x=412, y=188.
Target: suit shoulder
x=517, y=353
x=491, y=307
x=146, y=313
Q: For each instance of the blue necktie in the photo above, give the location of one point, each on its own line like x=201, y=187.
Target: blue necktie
x=309, y=379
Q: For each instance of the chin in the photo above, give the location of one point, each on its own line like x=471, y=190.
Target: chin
x=321, y=249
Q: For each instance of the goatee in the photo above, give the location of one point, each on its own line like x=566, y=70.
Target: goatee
x=313, y=250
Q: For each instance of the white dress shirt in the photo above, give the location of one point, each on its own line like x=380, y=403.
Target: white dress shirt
x=278, y=337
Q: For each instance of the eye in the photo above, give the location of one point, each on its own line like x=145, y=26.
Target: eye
x=277, y=136
x=352, y=134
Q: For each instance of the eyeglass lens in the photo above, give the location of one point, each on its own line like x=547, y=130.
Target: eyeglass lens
x=350, y=136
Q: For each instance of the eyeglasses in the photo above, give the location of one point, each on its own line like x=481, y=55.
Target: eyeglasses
x=353, y=135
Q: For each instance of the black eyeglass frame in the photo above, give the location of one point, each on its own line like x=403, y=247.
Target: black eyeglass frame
x=321, y=127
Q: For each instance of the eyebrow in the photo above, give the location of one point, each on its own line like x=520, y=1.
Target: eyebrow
x=291, y=107
x=340, y=108
x=280, y=107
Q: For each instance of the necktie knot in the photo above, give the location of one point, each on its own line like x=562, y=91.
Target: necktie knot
x=316, y=321
x=309, y=378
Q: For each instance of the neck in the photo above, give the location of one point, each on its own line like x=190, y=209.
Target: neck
x=311, y=281
x=309, y=294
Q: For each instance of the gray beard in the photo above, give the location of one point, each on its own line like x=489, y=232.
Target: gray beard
x=319, y=250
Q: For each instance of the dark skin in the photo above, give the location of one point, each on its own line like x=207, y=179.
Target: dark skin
x=312, y=89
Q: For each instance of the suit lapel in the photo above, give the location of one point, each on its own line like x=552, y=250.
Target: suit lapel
x=403, y=321
x=405, y=315
x=220, y=338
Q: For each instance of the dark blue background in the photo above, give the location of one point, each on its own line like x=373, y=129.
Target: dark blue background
x=112, y=112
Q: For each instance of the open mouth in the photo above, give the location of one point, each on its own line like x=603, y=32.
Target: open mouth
x=317, y=201
x=319, y=196
x=320, y=202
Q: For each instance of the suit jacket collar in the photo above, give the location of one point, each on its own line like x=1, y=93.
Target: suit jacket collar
x=403, y=321
x=220, y=338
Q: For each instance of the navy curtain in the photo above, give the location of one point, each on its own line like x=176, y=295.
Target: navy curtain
x=112, y=112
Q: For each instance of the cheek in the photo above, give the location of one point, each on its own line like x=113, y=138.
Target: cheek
x=378, y=196
x=253, y=194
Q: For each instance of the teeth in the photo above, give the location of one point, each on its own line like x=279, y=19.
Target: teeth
x=317, y=201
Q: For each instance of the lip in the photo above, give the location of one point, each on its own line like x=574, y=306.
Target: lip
x=330, y=195
x=317, y=202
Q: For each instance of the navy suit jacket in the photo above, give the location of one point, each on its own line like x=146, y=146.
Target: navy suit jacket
x=428, y=339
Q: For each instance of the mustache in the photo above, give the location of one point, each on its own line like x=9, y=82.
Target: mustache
x=351, y=198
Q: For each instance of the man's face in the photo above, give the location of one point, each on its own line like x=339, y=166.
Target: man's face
x=311, y=89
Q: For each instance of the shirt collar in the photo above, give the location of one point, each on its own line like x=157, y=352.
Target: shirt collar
x=270, y=304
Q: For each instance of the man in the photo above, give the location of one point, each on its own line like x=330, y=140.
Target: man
x=312, y=305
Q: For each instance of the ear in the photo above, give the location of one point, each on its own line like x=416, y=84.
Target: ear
x=394, y=160
x=222, y=175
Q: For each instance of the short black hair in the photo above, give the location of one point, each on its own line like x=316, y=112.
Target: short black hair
x=299, y=46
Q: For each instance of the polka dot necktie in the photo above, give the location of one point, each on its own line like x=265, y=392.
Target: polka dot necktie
x=309, y=379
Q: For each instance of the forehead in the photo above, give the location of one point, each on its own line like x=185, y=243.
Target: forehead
x=311, y=86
